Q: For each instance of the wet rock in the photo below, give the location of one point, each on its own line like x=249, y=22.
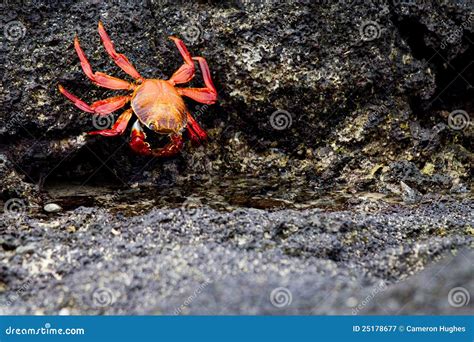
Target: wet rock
x=409, y=195
x=52, y=208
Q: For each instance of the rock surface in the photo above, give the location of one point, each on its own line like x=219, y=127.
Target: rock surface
x=203, y=261
x=339, y=161
x=340, y=95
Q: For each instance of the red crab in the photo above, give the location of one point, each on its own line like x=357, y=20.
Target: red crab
x=158, y=104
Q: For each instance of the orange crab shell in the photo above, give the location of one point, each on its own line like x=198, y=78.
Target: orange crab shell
x=159, y=106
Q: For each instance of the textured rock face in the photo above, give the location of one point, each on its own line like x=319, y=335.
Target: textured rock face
x=340, y=94
x=318, y=102
x=247, y=261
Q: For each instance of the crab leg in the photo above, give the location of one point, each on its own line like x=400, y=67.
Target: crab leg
x=99, y=78
x=118, y=58
x=207, y=95
x=119, y=126
x=186, y=72
x=139, y=145
x=101, y=107
x=171, y=148
x=196, y=133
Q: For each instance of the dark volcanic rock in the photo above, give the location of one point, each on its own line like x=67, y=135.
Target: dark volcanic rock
x=204, y=261
x=334, y=93
x=339, y=161
x=445, y=288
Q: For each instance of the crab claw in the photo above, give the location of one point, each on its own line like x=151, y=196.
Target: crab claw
x=137, y=141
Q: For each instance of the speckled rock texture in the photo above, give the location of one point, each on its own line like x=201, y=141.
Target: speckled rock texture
x=174, y=261
x=360, y=94
x=339, y=159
